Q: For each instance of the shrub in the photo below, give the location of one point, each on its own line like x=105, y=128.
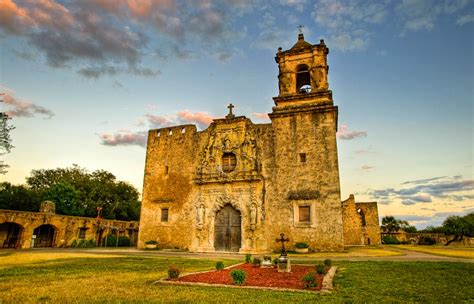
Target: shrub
x=86, y=244
x=123, y=241
x=275, y=261
x=301, y=245
x=173, y=272
x=248, y=258
x=74, y=244
x=426, y=240
x=238, y=276
x=256, y=262
x=219, y=265
x=309, y=280
x=151, y=242
x=390, y=240
x=320, y=269
x=327, y=262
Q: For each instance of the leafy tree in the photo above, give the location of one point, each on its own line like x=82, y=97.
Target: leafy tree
x=459, y=227
x=5, y=139
x=76, y=191
x=19, y=198
x=391, y=224
x=66, y=198
x=410, y=229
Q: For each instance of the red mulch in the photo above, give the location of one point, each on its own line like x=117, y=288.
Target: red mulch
x=264, y=277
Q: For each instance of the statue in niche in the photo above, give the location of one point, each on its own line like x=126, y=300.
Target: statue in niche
x=201, y=210
x=253, y=216
x=227, y=145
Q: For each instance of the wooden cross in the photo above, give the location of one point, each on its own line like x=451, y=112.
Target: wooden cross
x=300, y=28
x=283, y=240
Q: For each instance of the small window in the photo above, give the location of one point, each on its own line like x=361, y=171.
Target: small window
x=164, y=214
x=303, y=157
x=304, y=214
x=229, y=162
x=170, y=132
x=167, y=169
x=82, y=234
x=183, y=130
x=158, y=134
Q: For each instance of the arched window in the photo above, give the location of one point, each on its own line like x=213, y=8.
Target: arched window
x=362, y=216
x=228, y=162
x=303, y=81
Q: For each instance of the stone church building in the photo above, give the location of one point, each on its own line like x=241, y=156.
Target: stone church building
x=237, y=185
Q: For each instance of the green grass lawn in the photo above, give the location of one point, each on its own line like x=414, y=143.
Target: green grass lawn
x=37, y=277
x=464, y=252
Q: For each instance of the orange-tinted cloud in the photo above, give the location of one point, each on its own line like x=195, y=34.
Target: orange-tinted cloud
x=346, y=134
x=203, y=119
x=22, y=108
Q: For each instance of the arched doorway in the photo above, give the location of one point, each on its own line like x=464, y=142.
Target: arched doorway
x=10, y=235
x=227, y=231
x=43, y=236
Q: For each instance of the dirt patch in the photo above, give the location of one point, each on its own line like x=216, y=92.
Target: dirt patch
x=260, y=277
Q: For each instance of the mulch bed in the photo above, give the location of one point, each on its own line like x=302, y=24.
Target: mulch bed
x=262, y=277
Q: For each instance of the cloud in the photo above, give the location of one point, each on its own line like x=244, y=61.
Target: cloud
x=157, y=121
x=424, y=190
x=23, y=108
x=366, y=168
x=423, y=181
x=345, y=134
x=203, y=119
x=124, y=138
x=105, y=37
x=465, y=19
x=419, y=15
x=349, y=22
x=260, y=115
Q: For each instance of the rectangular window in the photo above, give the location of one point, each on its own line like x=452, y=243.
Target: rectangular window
x=303, y=157
x=304, y=215
x=164, y=214
x=82, y=234
x=166, y=170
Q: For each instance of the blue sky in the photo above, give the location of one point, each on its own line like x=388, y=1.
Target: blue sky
x=84, y=81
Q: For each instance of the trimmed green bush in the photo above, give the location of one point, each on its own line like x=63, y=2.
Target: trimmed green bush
x=74, y=244
x=83, y=243
x=327, y=262
x=301, y=245
x=320, y=269
x=123, y=241
x=309, y=280
x=151, y=242
x=173, y=272
x=256, y=262
x=248, y=258
x=220, y=265
x=238, y=276
x=390, y=240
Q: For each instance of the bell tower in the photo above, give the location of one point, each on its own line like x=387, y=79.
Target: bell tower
x=303, y=75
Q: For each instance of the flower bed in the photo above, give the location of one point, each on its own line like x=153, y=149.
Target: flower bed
x=261, y=277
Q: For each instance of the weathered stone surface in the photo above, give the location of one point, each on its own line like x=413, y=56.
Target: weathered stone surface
x=66, y=228
x=288, y=165
x=356, y=232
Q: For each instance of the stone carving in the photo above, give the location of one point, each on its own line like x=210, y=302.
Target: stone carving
x=253, y=216
x=201, y=211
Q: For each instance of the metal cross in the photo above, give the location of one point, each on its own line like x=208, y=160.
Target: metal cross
x=300, y=27
x=283, y=240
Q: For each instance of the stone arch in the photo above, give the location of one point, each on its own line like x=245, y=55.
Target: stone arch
x=228, y=229
x=302, y=78
x=11, y=235
x=45, y=235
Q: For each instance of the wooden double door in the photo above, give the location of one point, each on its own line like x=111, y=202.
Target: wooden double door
x=227, y=231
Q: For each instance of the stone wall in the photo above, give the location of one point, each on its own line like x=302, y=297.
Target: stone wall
x=361, y=223
x=66, y=228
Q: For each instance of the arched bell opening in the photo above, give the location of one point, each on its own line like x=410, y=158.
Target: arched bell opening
x=10, y=235
x=303, y=79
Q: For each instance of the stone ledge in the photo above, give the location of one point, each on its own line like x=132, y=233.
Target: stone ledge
x=326, y=288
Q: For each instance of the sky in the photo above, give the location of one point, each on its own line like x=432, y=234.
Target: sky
x=84, y=80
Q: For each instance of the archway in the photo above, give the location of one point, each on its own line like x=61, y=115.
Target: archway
x=227, y=229
x=10, y=235
x=43, y=236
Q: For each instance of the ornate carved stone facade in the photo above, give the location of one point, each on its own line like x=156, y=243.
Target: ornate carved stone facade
x=280, y=177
